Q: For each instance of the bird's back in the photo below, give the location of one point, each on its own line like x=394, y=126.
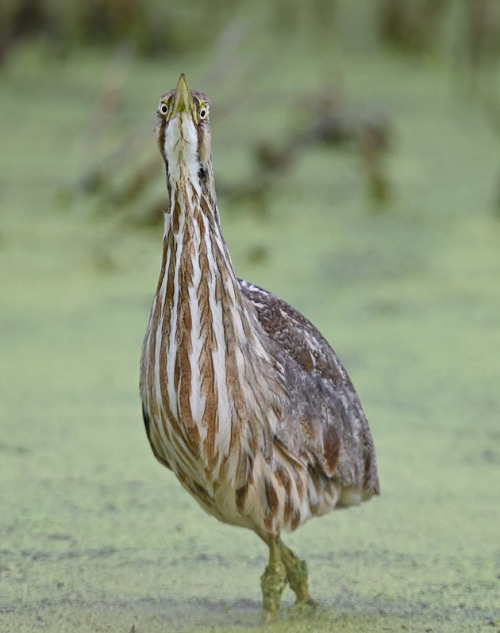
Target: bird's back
x=324, y=427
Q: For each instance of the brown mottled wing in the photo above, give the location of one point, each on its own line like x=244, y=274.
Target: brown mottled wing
x=326, y=425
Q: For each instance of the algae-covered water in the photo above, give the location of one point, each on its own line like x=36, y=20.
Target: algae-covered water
x=94, y=534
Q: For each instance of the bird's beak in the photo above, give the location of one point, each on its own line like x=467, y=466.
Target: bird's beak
x=183, y=101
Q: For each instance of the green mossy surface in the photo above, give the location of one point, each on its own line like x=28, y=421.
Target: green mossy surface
x=94, y=534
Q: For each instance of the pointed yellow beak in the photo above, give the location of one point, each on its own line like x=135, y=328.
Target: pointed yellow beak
x=183, y=101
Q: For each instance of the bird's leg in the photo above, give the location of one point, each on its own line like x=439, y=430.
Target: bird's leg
x=296, y=574
x=273, y=582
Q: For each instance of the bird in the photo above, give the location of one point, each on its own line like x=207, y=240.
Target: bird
x=242, y=397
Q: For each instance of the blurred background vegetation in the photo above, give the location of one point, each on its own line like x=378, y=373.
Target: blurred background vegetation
x=357, y=158
x=229, y=45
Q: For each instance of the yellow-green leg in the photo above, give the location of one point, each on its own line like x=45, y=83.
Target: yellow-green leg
x=273, y=582
x=296, y=574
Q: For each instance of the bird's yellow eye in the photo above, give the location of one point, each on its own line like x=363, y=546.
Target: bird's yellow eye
x=164, y=108
x=203, y=113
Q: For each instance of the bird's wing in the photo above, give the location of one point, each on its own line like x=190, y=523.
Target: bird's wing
x=296, y=335
x=333, y=436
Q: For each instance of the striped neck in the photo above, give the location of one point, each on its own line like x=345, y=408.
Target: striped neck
x=210, y=355
x=206, y=374
x=205, y=293
x=198, y=265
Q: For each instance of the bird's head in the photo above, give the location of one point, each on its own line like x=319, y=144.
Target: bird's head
x=184, y=136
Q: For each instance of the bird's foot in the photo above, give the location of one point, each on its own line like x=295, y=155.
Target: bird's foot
x=304, y=607
x=297, y=579
x=273, y=582
x=296, y=575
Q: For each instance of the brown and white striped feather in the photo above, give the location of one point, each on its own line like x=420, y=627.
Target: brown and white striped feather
x=242, y=397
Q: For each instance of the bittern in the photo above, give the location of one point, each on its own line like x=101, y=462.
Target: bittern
x=242, y=396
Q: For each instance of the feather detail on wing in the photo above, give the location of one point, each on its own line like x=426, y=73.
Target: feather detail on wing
x=326, y=426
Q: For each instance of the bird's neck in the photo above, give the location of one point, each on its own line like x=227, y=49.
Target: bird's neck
x=214, y=360
x=197, y=264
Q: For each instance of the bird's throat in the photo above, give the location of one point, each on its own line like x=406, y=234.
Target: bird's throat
x=180, y=150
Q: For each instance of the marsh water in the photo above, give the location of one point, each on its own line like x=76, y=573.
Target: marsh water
x=94, y=534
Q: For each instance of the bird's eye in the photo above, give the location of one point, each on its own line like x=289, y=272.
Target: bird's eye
x=203, y=113
x=164, y=108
